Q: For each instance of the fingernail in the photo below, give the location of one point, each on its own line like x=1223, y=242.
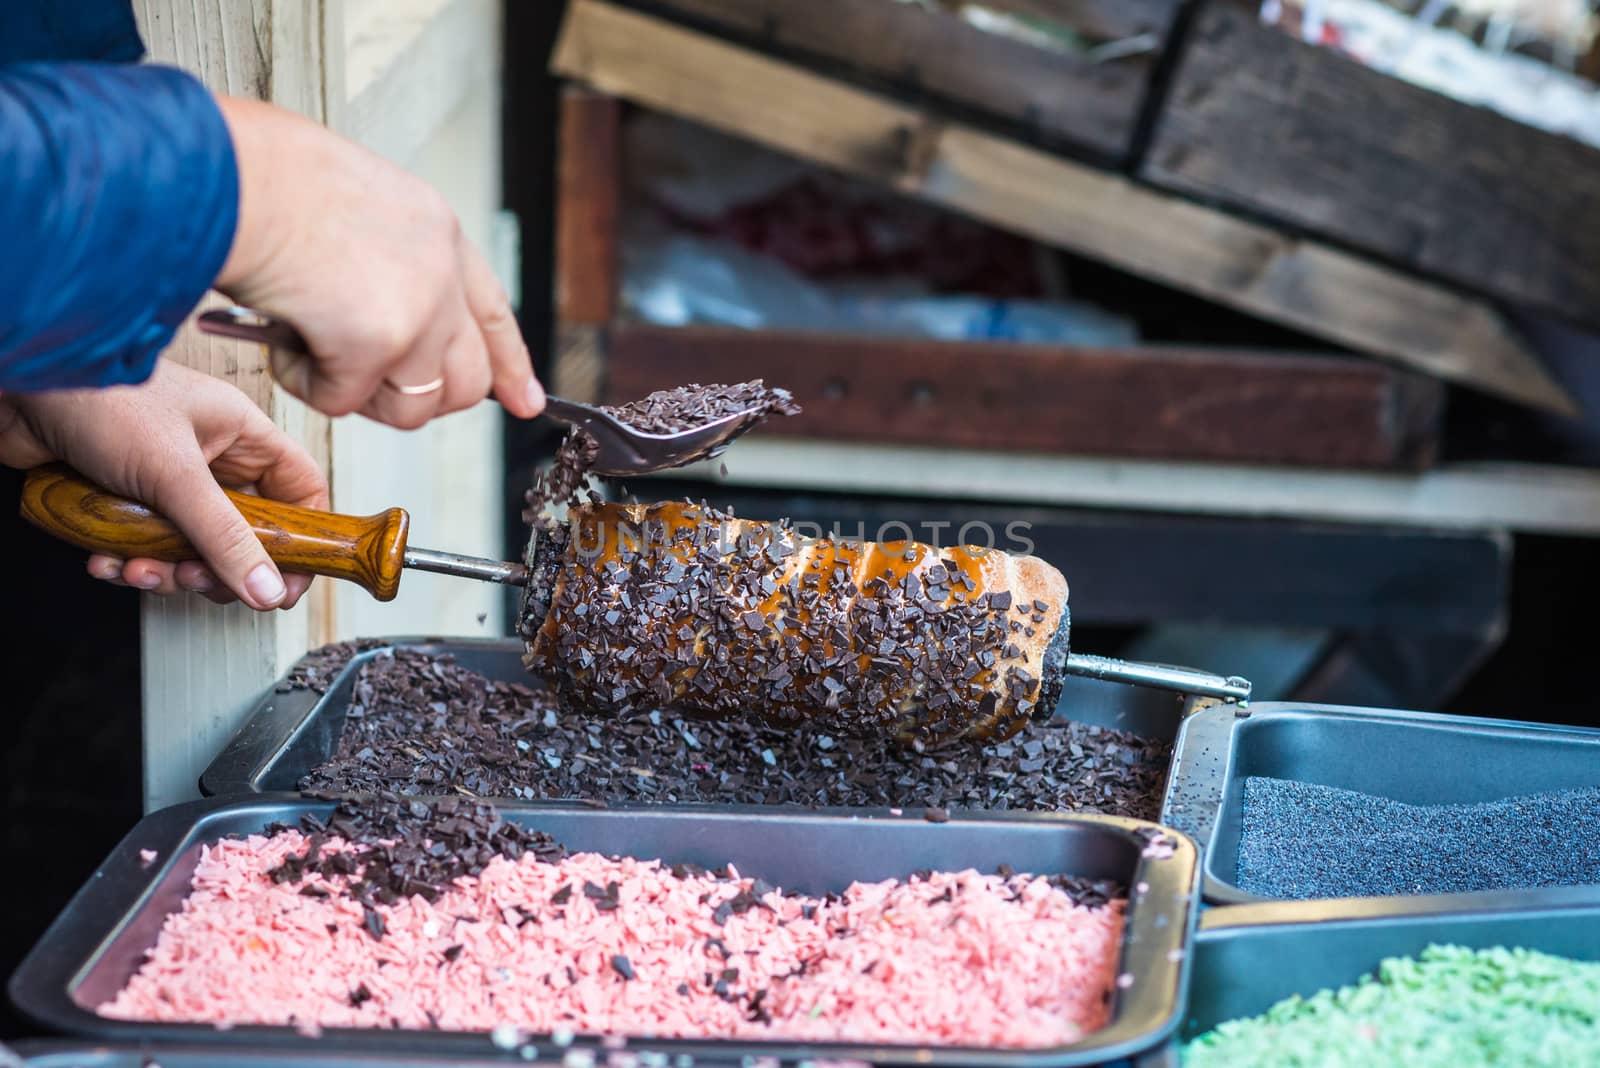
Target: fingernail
x=535, y=395
x=201, y=583
x=147, y=582
x=108, y=570
x=264, y=585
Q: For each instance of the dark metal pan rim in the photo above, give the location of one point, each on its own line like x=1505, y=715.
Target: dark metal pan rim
x=1159, y=924
x=284, y=722
x=1214, y=732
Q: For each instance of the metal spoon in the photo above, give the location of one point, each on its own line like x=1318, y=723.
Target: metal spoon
x=623, y=449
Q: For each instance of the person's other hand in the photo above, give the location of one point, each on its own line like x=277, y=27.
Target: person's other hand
x=369, y=262
x=167, y=444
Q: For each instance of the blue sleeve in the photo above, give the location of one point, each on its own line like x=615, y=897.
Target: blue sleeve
x=119, y=195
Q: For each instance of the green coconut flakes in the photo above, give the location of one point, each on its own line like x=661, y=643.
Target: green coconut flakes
x=1450, y=1007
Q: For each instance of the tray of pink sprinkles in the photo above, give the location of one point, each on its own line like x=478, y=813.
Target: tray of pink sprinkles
x=662, y=935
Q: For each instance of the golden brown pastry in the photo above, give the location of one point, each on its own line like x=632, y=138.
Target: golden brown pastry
x=677, y=605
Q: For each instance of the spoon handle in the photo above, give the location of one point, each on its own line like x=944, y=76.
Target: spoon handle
x=248, y=325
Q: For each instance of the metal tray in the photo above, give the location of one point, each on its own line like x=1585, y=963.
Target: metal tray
x=64, y=1053
x=289, y=733
x=1249, y=957
x=1418, y=758
x=96, y=944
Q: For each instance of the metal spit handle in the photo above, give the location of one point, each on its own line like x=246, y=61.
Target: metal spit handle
x=1159, y=676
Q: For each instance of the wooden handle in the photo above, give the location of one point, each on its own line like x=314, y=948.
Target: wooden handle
x=367, y=550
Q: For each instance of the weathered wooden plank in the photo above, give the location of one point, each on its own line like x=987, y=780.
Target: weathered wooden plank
x=1260, y=121
x=578, y=369
x=1535, y=498
x=448, y=475
x=933, y=52
x=411, y=66
x=1301, y=283
x=1155, y=401
x=588, y=199
x=1100, y=21
x=203, y=663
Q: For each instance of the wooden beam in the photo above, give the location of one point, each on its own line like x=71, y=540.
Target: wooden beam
x=1531, y=498
x=588, y=202
x=449, y=475
x=1259, y=121
x=1098, y=20
x=203, y=664
x=1060, y=96
x=410, y=66
x=1312, y=287
x=1151, y=401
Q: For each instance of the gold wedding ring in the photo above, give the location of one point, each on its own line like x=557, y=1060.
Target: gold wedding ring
x=416, y=391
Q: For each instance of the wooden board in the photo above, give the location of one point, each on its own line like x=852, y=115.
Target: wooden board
x=1258, y=120
x=588, y=199
x=1533, y=498
x=202, y=663
x=411, y=65
x=1098, y=20
x=1312, y=287
x=1176, y=403
x=1055, y=95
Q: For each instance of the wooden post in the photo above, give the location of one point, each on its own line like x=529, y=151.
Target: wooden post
x=203, y=664
x=588, y=203
x=416, y=81
x=423, y=90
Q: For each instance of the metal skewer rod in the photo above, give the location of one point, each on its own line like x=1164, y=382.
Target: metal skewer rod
x=472, y=567
x=1159, y=676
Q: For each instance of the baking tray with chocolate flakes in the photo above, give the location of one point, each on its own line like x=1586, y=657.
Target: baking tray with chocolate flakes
x=1378, y=767
x=103, y=936
x=430, y=716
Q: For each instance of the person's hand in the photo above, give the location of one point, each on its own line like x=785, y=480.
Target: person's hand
x=370, y=264
x=167, y=444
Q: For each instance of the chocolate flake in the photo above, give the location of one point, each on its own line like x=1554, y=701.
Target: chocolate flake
x=424, y=704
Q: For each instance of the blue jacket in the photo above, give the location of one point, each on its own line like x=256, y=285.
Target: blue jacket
x=119, y=195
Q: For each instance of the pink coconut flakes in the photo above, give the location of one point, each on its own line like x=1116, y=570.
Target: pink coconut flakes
x=954, y=959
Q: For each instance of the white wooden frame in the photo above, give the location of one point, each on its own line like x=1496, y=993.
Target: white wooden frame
x=417, y=81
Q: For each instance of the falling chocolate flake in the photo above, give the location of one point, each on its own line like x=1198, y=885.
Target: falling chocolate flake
x=359, y=996
x=373, y=923
x=623, y=966
x=936, y=815
x=562, y=895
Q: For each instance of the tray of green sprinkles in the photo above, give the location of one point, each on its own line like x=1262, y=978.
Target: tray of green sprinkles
x=1386, y=983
